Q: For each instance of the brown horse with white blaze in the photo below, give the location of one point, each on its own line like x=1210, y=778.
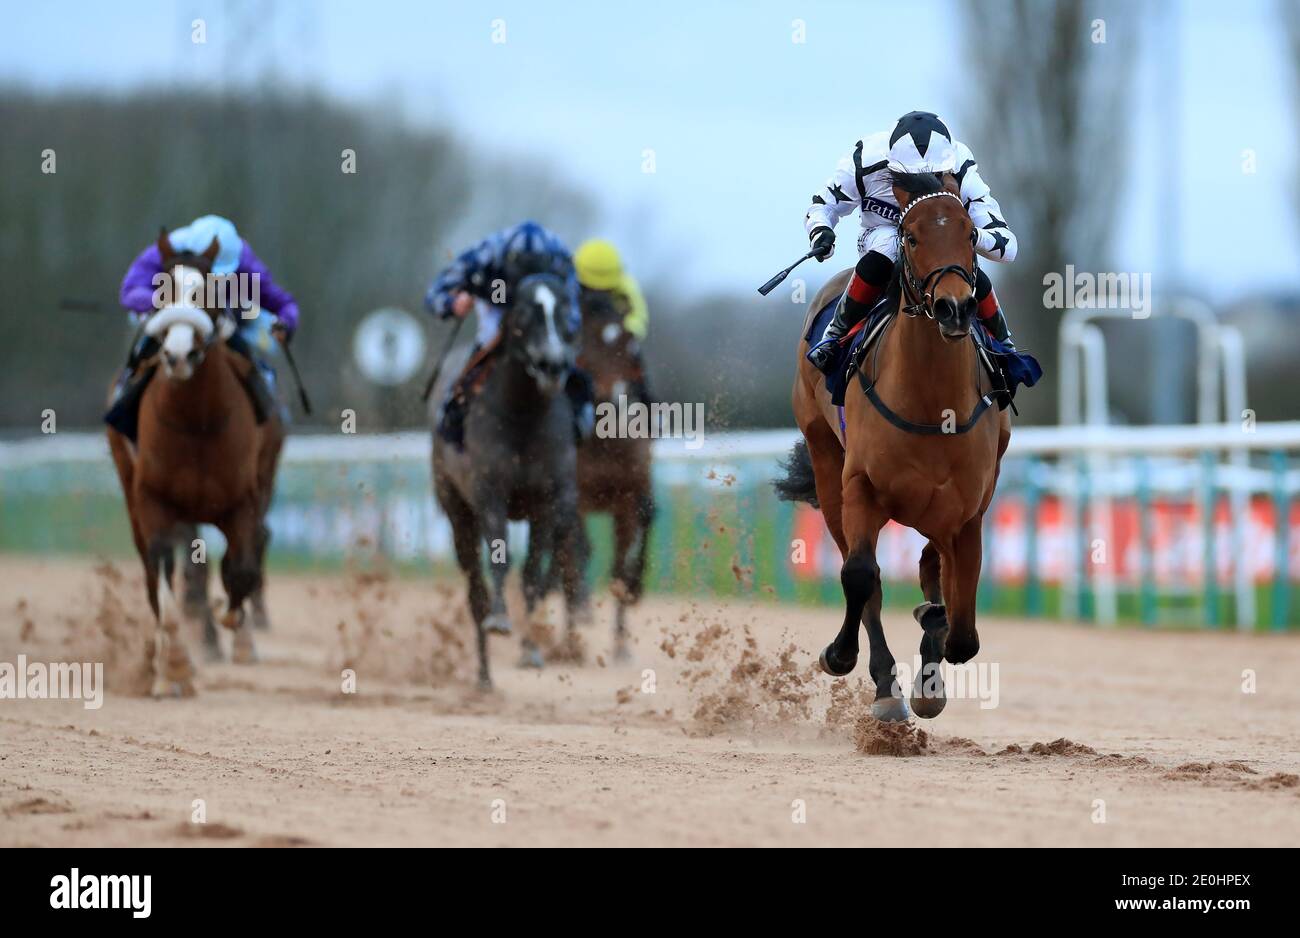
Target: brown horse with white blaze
x=614, y=474
x=197, y=459
x=920, y=446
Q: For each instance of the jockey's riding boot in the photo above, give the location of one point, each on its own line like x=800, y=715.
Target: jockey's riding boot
x=259, y=389
x=452, y=425
x=825, y=353
x=124, y=409
x=582, y=396
x=998, y=328
x=143, y=350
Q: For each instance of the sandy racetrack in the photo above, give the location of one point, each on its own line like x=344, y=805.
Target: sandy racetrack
x=731, y=748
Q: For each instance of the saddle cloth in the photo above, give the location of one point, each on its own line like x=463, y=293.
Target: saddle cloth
x=1007, y=369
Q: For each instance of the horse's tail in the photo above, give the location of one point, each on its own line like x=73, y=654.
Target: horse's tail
x=799, y=484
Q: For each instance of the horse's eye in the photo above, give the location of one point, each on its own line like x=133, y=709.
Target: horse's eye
x=911, y=239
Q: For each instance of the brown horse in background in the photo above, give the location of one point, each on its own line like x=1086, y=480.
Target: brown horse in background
x=198, y=459
x=921, y=447
x=614, y=474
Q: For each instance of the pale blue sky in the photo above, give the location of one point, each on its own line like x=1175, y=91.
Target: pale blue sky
x=741, y=119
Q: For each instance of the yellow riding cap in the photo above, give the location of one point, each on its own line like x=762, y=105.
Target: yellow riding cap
x=599, y=267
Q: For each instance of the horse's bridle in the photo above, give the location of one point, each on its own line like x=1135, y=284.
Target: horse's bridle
x=916, y=293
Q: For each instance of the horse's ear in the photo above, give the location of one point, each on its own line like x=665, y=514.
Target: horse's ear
x=210, y=254
x=951, y=184
x=164, y=244
x=902, y=197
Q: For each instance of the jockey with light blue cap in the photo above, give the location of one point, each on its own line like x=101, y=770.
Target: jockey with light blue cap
x=276, y=318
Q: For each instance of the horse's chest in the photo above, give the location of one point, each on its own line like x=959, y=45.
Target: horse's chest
x=197, y=477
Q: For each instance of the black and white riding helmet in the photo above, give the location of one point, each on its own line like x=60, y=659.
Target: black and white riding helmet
x=921, y=143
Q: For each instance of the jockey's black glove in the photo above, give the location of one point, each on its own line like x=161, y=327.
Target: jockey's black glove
x=823, y=243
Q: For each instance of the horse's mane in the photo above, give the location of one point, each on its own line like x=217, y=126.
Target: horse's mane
x=188, y=259
x=915, y=184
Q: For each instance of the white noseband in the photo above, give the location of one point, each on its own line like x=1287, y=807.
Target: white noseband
x=169, y=316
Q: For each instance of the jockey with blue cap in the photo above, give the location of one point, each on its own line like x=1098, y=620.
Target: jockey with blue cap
x=259, y=330
x=482, y=278
x=863, y=181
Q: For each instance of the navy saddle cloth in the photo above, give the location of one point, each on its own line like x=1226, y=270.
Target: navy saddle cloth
x=1016, y=368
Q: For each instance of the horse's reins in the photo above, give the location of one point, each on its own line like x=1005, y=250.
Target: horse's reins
x=921, y=301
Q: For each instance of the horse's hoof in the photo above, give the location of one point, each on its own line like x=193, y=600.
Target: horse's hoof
x=498, y=622
x=212, y=654
x=485, y=684
x=889, y=710
x=532, y=658
x=261, y=622
x=927, y=708
x=243, y=654
x=621, y=654
x=833, y=665
x=960, y=649
x=164, y=689
x=581, y=617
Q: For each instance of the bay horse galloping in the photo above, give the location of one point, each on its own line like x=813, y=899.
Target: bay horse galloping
x=517, y=462
x=197, y=460
x=613, y=473
x=921, y=446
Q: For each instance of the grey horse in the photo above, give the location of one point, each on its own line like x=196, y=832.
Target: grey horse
x=517, y=462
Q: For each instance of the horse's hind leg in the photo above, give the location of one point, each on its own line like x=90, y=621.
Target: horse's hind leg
x=195, y=574
x=927, y=690
x=268, y=461
x=257, y=601
x=242, y=576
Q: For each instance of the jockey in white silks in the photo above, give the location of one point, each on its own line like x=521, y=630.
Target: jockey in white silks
x=863, y=181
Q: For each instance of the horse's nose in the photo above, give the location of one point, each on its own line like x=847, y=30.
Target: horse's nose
x=954, y=315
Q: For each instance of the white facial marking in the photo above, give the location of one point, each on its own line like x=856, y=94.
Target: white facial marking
x=554, y=346
x=189, y=286
x=611, y=332
x=177, y=345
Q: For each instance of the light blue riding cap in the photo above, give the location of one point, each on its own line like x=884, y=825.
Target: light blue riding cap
x=198, y=234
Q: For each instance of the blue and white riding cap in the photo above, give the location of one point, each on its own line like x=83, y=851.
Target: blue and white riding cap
x=198, y=234
x=921, y=143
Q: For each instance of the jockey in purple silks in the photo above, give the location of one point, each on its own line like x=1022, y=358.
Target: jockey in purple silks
x=258, y=330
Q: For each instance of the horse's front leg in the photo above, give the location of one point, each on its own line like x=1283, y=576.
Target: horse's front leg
x=961, y=575
x=492, y=527
x=241, y=575
x=195, y=574
x=171, y=669
x=540, y=544
x=927, y=687
x=571, y=549
x=860, y=579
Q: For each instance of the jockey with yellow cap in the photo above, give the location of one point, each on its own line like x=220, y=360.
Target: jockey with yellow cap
x=601, y=275
x=600, y=268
